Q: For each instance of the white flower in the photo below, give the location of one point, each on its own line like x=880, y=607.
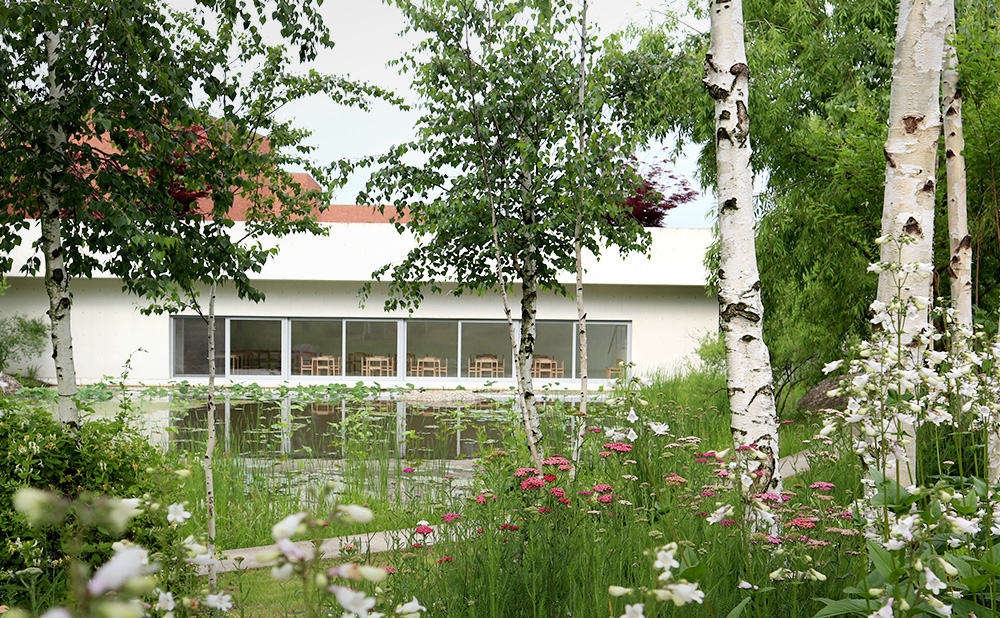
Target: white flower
x=33, y=503
x=126, y=564
x=220, y=601
x=286, y=527
x=631, y=435
x=411, y=608
x=660, y=429
x=683, y=592
x=665, y=560
x=177, y=514
x=632, y=416
x=633, y=611
x=120, y=512
x=292, y=552
x=353, y=601
x=57, y=612
x=618, y=591
x=934, y=584
x=745, y=585
x=356, y=514
x=283, y=572
x=939, y=607
x=827, y=368
x=961, y=524
x=165, y=602
x=719, y=514
x=885, y=611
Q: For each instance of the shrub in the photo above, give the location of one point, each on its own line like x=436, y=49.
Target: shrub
x=21, y=337
x=107, y=457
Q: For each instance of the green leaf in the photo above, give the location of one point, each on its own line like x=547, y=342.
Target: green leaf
x=738, y=610
x=846, y=606
x=881, y=559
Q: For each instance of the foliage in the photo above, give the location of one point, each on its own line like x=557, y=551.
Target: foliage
x=499, y=84
x=21, y=337
x=108, y=457
x=659, y=191
x=818, y=133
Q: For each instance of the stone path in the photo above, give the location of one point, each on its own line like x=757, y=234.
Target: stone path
x=377, y=542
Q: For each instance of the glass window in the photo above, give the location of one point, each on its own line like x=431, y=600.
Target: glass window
x=431, y=348
x=553, y=350
x=255, y=347
x=371, y=349
x=191, y=346
x=607, y=346
x=486, y=350
x=317, y=347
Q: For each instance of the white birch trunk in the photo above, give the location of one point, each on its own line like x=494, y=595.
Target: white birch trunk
x=210, y=446
x=911, y=156
x=529, y=311
x=578, y=429
x=748, y=365
x=960, y=268
x=56, y=277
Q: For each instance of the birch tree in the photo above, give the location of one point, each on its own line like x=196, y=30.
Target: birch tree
x=960, y=242
x=741, y=312
x=496, y=201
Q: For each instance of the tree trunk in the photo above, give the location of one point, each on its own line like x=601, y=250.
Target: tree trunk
x=210, y=446
x=56, y=276
x=578, y=431
x=960, y=269
x=911, y=156
x=748, y=367
x=529, y=312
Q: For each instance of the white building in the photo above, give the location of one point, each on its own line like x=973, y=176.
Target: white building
x=651, y=311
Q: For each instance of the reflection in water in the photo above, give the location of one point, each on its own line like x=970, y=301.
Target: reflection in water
x=379, y=429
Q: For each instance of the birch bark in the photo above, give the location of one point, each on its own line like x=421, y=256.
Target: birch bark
x=56, y=277
x=960, y=242
x=911, y=157
x=748, y=366
x=578, y=429
x=210, y=446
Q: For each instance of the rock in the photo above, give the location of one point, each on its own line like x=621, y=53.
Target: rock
x=816, y=398
x=8, y=385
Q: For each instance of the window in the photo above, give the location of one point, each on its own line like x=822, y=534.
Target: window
x=486, y=350
x=191, y=346
x=371, y=349
x=317, y=347
x=431, y=348
x=607, y=346
x=554, y=350
x=255, y=347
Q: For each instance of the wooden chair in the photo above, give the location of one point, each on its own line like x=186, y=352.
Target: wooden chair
x=326, y=365
x=306, y=363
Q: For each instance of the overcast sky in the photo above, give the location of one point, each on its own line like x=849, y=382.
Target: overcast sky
x=366, y=33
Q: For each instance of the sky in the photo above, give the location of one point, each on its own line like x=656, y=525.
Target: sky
x=367, y=36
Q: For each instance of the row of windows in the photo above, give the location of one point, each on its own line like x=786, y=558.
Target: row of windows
x=294, y=348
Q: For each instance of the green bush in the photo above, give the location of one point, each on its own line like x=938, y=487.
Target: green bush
x=21, y=337
x=107, y=457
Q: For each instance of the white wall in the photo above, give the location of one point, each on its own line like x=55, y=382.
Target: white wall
x=662, y=296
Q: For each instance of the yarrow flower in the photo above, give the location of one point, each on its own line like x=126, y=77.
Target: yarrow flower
x=526, y=472
x=450, y=517
x=533, y=482
x=822, y=486
x=621, y=447
x=424, y=530
x=602, y=487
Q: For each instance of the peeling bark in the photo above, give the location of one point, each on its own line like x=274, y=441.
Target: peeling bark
x=210, y=446
x=911, y=156
x=56, y=277
x=581, y=315
x=748, y=367
x=960, y=268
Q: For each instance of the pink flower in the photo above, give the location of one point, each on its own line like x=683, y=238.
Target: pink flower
x=509, y=527
x=621, y=447
x=408, y=469
x=558, y=493
x=481, y=499
x=424, y=530
x=801, y=522
x=555, y=460
x=605, y=498
x=544, y=509
x=604, y=453
x=565, y=467
x=822, y=486
x=533, y=482
x=564, y=501
x=550, y=478
x=594, y=429
x=445, y=559
x=722, y=473
x=389, y=569
x=526, y=471
x=601, y=488
x=450, y=517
